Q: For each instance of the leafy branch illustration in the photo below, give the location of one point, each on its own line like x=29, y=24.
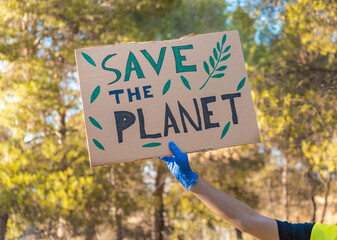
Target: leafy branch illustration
x=225, y=130
x=241, y=84
x=167, y=85
x=88, y=59
x=153, y=144
x=92, y=120
x=215, y=60
x=93, y=97
x=185, y=82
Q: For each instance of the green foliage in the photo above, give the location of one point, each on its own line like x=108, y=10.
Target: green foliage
x=296, y=93
x=189, y=16
x=297, y=96
x=45, y=178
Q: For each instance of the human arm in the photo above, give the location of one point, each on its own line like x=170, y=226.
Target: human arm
x=246, y=219
x=239, y=214
x=234, y=211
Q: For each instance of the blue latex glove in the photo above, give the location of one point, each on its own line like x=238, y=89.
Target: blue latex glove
x=180, y=168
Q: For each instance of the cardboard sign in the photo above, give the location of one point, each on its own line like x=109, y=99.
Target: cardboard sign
x=139, y=96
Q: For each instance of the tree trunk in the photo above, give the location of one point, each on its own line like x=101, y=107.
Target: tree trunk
x=326, y=198
x=158, y=218
x=3, y=224
x=117, y=212
x=61, y=133
x=238, y=234
x=119, y=226
x=313, y=218
x=285, y=188
x=312, y=183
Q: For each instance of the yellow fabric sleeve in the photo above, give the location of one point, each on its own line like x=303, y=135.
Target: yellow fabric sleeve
x=324, y=232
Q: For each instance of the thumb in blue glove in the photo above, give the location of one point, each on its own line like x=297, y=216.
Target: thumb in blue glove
x=180, y=168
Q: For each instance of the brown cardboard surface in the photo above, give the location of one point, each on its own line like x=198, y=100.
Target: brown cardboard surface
x=180, y=80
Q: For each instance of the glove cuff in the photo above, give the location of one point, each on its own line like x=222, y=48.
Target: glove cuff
x=191, y=180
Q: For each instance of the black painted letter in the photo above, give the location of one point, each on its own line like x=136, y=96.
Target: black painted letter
x=124, y=120
x=169, y=115
x=207, y=114
x=231, y=99
x=143, y=133
x=183, y=112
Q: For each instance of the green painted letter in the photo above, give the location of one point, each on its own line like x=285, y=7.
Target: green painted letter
x=133, y=60
x=179, y=66
x=118, y=73
x=156, y=66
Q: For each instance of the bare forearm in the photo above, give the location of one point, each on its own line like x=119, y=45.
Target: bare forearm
x=236, y=212
x=221, y=203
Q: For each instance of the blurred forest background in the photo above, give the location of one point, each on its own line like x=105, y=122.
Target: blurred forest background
x=48, y=190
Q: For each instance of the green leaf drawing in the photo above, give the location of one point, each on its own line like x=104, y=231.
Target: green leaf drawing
x=222, y=68
x=219, y=75
x=215, y=53
x=218, y=58
x=98, y=144
x=95, y=94
x=225, y=57
x=88, y=58
x=225, y=129
x=223, y=39
x=185, y=82
x=241, y=84
x=166, y=86
x=95, y=123
x=154, y=144
x=211, y=61
x=206, y=67
x=226, y=49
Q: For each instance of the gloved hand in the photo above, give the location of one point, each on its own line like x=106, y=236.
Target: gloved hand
x=180, y=168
